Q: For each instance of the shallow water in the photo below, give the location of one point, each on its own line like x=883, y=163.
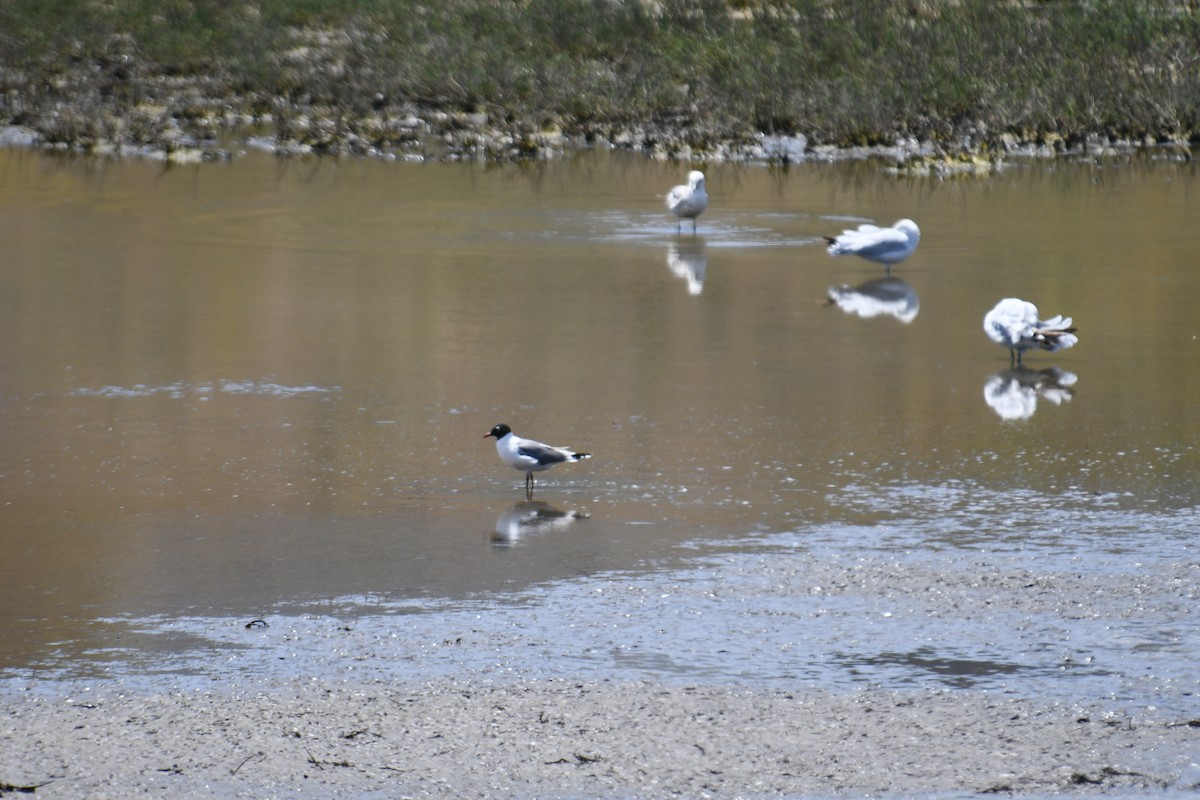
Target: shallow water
x=259, y=390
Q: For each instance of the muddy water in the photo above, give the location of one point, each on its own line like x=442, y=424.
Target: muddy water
x=259, y=389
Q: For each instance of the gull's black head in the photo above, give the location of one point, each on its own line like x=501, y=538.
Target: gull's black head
x=500, y=431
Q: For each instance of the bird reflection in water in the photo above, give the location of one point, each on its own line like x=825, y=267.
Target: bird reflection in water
x=531, y=516
x=1014, y=393
x=688, y=259
x=892, y=297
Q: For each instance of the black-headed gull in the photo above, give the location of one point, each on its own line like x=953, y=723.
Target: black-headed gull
x=688, y=202
x=1014, y=324
x=885, y=246
x=529, y=456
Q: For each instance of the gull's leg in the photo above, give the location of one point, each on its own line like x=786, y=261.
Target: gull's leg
x=528, y=485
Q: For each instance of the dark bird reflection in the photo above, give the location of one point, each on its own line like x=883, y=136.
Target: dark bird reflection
x=1014, y=393
x=688, y=259
x=887, y=296
x=531, y=516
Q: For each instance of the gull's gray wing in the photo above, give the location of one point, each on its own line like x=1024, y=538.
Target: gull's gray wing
x=543, y=454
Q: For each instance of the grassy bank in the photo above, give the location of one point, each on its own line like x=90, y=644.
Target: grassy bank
x=508, y=78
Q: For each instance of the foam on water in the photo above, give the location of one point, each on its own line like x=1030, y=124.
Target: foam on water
x=182, y=389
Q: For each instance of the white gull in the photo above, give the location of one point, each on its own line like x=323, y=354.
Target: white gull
x=1014, y=324
x=885, y=246
x=688, y=201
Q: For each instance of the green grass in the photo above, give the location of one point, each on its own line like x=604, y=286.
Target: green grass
x=840, y=71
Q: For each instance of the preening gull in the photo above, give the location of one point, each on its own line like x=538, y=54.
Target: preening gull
x=885, y=246
x=1014, y=324
x=688, y=202
x=529, y=456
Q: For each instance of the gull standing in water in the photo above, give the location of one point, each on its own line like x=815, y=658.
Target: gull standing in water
x=885, y=246
x=688, y=202
x=529, y=456
x=1014, y=324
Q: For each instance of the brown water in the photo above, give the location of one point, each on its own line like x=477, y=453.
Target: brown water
x=259, y=388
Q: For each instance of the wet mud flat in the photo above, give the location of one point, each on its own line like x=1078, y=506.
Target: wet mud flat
x=748, y=672
x=548, y=738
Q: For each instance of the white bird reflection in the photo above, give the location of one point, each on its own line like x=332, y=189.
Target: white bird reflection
x=531, y=516
x=688, y=260
x=1014, y=393
x=888, y=296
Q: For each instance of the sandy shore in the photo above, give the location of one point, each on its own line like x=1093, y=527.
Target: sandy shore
x=566, y=739
x=750, y=673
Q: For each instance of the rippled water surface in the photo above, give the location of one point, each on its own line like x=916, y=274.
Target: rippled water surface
x=259, y=390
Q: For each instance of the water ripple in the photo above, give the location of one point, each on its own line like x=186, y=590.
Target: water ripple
x=182, y=389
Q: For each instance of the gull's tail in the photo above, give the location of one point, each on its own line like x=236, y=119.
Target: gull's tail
x=1056, y=334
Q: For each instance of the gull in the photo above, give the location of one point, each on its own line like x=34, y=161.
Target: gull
x=885, y=246
x=529, y=456
x=1014, y=324
x=688, y=201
